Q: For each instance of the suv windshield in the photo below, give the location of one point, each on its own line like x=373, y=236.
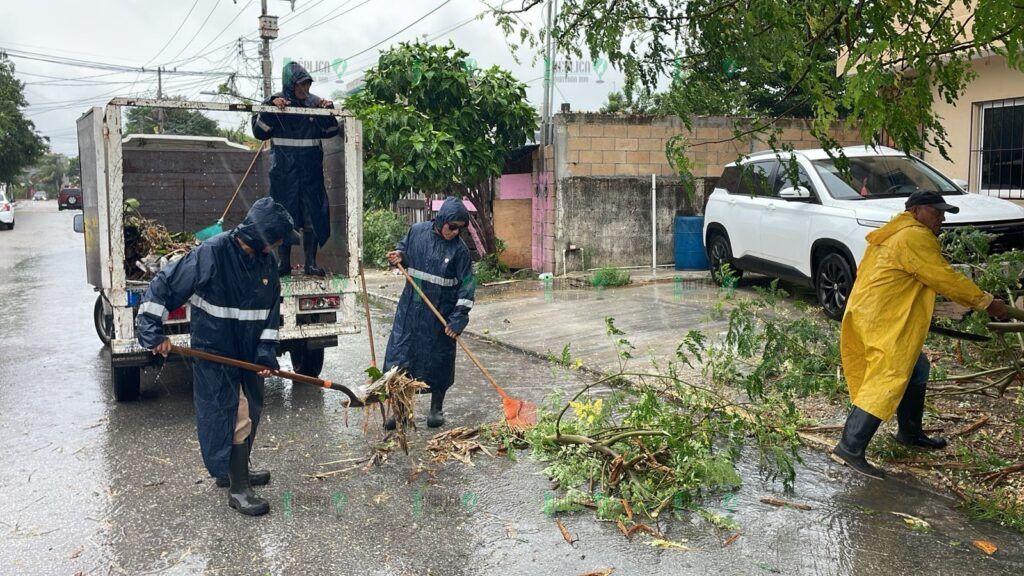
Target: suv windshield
x=881, y=177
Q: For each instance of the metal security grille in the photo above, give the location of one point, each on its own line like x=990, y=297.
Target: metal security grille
x=997, y=159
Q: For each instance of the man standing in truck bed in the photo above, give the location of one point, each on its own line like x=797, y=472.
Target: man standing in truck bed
x=296, y=162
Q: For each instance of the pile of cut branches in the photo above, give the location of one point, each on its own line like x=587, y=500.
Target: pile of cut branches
x=148, y=245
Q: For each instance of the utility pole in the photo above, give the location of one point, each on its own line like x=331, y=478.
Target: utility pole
x=268, y=32
x=160, y=96
x=545, y=122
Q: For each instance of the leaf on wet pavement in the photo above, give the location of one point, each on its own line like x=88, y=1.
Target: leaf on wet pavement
x=784, y=504
x=985, y=546
x=668, y=544
x=601, y=572
x=916, y=524
x=565, y=533
x=730, y=539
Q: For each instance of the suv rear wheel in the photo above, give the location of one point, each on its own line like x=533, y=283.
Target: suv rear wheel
x=833, y=280
x=720, y=255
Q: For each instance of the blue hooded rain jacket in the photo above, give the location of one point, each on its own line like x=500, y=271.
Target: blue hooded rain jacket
x=234, y=301
x=444, y=271
x=296, y=158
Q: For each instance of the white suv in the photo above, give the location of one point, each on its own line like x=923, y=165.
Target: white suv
x=796, y=216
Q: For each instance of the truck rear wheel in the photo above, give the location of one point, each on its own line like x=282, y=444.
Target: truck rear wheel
x=308, y=361
x=127, y=381
x=103, y=320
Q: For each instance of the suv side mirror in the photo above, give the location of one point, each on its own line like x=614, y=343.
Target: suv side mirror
x=79, y=223
x=795, y=193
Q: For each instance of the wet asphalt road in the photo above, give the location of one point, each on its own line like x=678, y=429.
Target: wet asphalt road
x=95, y=487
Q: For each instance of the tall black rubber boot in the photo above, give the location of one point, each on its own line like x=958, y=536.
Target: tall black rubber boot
x=435, y=418
x=284, y=260
x=256, y=478
x=857, y=433
x=909, y=415
x=309, y=246
x=240, y=494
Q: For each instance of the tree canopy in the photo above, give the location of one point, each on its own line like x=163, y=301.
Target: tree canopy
x=433, y=122
x=20, y=144
x=776, y=58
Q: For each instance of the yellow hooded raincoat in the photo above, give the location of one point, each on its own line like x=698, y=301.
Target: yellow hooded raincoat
x=890, y=308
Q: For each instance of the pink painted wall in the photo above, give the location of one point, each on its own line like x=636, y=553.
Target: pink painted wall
x=516, y=186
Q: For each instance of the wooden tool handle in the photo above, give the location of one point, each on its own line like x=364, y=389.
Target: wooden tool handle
x=366, y=306
x=259, y=368
x=499, y=389
x=242, y=181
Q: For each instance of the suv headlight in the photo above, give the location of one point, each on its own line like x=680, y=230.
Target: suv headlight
x=871, y=223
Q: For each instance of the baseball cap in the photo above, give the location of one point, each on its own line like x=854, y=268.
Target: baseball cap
x=929, y=198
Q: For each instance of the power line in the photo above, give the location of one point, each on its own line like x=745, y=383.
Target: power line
x=105, y=65
x=216, y=3
x=324, y=20
x=173, y=36
x=199, y=53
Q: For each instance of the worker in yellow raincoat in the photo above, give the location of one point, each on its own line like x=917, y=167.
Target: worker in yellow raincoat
x=886, y=321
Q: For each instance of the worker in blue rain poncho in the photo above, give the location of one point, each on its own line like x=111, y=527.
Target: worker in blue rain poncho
x=297, y=163
x=231, y=285
x=439, y=262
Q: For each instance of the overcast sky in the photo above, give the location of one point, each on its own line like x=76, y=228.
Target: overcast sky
x=138, y=33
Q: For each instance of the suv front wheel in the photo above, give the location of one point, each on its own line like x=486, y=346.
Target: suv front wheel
x=720, y=255
x=833, y=281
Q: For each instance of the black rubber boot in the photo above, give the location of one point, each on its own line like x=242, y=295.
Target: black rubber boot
x=240, y=494
x=256, y=478
x=309, y=246
x=910, y=413
x=857, y=433
x=284, y=260
x=435, y=418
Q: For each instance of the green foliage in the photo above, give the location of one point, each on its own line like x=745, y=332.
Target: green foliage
x=607, y=276
x=431, y=123
x=653, y=439
x=382, y=229
x=775, y=58
x=490, y=268
x=772, y=351
x=21, y=144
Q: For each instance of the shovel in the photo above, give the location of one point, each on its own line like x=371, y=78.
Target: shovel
x=519, y=414
x=361, y=396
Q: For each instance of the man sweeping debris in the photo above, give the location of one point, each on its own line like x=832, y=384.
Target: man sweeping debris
x=440, y=263
x=297, y=163
x=231, y=284
x=886, y=322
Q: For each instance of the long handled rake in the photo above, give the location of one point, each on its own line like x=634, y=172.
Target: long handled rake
x=518, y=413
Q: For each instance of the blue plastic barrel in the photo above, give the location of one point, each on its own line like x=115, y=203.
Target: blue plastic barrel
x=689, y=243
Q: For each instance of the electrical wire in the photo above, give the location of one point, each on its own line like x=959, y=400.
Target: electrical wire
x=173, y=36
x=216, y=3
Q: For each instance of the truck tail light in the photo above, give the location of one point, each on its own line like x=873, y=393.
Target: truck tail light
x=319, y=302
x=178, y=314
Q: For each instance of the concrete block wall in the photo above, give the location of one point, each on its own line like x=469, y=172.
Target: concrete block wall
x=634, y=146
x=630, y=149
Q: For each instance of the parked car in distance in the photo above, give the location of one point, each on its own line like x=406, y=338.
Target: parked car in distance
x=70, y=198
x=39, y=195
x=798, y=217
x=6, y=211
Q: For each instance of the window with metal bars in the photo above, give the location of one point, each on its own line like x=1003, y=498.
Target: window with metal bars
x=998, y=158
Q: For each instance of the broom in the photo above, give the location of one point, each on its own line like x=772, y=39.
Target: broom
x=218, y=226
x=519, y=414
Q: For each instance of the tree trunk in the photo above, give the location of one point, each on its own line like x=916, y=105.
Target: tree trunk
x=482, y=196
